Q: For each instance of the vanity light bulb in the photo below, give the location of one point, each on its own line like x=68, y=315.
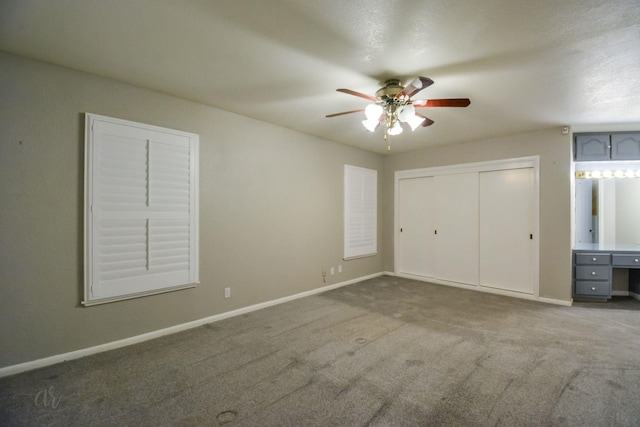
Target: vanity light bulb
x=607, y=174
x=619, y=174
x=596, y=174
x=638, y=174
x=587, y=175
x=629, y=174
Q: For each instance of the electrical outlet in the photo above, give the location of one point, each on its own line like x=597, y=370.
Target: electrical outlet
x=339, y=268
x=333, y=271
x=227, y=292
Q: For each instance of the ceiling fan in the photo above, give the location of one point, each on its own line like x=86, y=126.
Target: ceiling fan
x=392, y=106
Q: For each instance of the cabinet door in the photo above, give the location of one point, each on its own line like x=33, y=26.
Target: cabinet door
x=625, y=146
x=592, y=147
x=456, y=228
x=506, y=230
x=415, y=242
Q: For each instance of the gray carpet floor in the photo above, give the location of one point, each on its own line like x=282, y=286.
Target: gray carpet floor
x=383, y=352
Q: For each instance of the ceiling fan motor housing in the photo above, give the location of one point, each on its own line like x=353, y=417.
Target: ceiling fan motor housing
x=390, y=89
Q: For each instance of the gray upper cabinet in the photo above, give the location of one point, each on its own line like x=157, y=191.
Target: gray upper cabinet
x=593, y=146
x=625, y=146
x=607, y=146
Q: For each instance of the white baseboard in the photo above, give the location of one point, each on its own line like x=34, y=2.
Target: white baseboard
x=485, y=289
x=556, y=301
x=634, y=296
x=52, y=360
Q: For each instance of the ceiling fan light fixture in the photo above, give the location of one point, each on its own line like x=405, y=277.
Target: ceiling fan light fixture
x=415, y=121
x=373, y=111
x=406, y=113
x=396, y=129
x=393, y=106
x=371, y=124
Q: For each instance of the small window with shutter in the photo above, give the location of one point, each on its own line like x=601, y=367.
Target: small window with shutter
x=360, y=212
x=141, y=210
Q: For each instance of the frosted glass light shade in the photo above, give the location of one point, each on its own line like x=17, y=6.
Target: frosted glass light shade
x=373, y=111
x=396, y=129
x=371, y=125
x=406, y=112
x=415, y=121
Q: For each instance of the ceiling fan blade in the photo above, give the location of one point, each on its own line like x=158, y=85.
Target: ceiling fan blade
x=415, y=86
x=345, y=112
x=451, y=102
x=361, y=95
x=427, y=121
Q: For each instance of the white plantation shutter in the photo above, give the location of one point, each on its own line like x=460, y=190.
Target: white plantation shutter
x=141, y=218
x=360, y=212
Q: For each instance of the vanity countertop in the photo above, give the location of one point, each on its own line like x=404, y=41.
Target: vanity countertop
x=607, y=247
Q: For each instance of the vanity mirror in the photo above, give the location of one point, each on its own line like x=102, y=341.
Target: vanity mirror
x=607, y=209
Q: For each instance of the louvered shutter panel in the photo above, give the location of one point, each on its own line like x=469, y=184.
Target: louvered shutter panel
x=360, y=212
x=142, y=209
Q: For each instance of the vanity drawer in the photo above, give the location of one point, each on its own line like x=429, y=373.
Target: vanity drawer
x=626, y=260
x=593, y=259
x=586, y=287
x=588, y=272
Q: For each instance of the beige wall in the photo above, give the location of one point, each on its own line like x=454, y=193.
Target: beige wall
x=554, y=150
x=270, y=211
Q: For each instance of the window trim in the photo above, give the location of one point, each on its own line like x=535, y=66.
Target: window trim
x=368, y=181
x=90, y=229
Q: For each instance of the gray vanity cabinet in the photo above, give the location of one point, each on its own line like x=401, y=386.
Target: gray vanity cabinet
x=592, y=270
x=607, y=146
x=625, y=146
x=592, y=275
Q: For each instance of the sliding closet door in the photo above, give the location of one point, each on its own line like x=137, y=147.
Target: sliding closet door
x=415, y=238
x=506, y=229
x=456, y=227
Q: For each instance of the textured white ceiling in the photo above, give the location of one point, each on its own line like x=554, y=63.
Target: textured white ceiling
x=525, y=65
